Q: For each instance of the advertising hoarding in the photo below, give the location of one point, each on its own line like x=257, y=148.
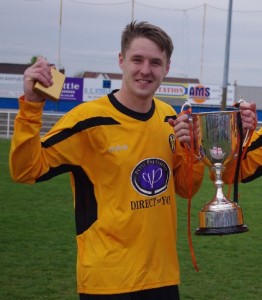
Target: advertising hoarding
x=209, y=94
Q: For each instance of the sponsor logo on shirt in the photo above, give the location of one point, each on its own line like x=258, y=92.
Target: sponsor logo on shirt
x=151, y=202
x=118, y=148
x=150, y=177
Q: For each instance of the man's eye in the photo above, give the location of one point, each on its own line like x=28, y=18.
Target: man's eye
x=156, y=63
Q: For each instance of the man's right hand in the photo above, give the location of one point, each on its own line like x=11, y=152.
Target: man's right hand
x=39, y=71
x=248, y=115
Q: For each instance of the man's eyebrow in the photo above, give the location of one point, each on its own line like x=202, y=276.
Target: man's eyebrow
x=137, y=55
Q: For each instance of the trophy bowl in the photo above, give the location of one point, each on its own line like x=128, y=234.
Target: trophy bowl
x=218, y=143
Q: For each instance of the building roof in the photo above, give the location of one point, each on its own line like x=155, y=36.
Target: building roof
x=119, y=76
x=9, y=68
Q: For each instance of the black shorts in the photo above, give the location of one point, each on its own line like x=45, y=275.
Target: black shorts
x=163, y=293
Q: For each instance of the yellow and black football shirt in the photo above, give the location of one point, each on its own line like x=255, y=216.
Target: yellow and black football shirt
x=251, y=165
x=126, y=168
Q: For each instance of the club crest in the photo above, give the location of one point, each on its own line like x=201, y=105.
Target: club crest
x=151, y=176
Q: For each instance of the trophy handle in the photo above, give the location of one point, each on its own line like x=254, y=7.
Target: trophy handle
x=187, y=111
x=246, y=137
x=185, y=105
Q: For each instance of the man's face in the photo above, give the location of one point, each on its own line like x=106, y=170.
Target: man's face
x=144, y=66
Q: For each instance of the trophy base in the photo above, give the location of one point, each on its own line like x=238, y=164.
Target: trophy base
x=222, y=230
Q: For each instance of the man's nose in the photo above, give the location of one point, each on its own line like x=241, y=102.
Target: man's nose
x=145, y=68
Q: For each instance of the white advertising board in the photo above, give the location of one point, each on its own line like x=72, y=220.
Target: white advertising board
x=96, y=88
x=11, y=85
x=209, y=94
x=172, y=90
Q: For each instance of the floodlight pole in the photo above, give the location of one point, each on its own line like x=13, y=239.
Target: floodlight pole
x=227, y=50
x=203, y=42
x=133, y=11
x=60, y=29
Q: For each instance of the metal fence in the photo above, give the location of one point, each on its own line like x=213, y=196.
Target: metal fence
x=7, y=117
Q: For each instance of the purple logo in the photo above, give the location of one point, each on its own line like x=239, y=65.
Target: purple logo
x=72, y=89
x=150, y=177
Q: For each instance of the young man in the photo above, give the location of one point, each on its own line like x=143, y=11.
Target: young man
x=251, y=166
x=126, y=164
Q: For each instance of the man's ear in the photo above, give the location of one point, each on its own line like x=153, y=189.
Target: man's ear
x=120, y=60
x=168, y=67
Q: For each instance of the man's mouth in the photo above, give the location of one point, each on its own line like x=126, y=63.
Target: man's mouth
x=143, y=81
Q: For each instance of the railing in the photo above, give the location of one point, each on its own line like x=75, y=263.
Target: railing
x=7, y=122
x=49, y=119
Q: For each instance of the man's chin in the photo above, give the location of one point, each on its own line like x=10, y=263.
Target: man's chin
x=146, y=93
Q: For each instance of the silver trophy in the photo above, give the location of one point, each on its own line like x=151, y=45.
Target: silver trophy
x=218, y=143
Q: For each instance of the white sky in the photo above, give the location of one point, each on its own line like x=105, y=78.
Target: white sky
x=91, y=29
